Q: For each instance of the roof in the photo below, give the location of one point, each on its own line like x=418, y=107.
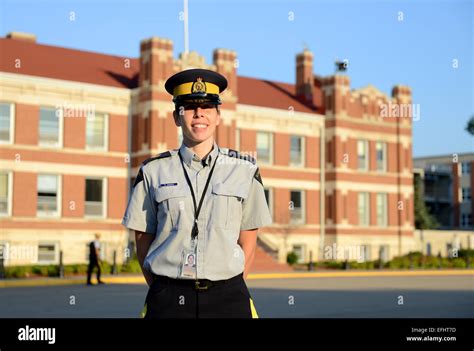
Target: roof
x=68, y=64
x=109, y=70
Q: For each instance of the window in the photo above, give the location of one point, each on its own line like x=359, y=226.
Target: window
x=96, y=131
x=296, y=151
x=50, y=127
x=269, y=198
x=466, y=220
x=5, y=193
x=362, y=155
x=384, y=253
x=466, y=167
x=365, y=253
x=47, y=195
x=94, y=197
x=299, y=250
x=363, y=209
x=296, y=206
x=466, y=194
x=6, y=122
x=47, y=253
x=381, y=152
x=264, y=147
x=382, y=210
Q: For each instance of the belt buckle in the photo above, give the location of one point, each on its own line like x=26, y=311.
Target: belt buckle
x=198, y=286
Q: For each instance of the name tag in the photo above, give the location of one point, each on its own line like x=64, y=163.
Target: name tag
x=167, y=184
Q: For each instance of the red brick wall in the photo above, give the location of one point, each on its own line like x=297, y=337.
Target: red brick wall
x=117, y=197
x=281, y=147
x=75, y=132
x=118, y=133
x=26, y=124
x=74, y=189
x=24, y=194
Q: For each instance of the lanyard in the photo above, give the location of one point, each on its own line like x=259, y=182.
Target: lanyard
x=195, y=231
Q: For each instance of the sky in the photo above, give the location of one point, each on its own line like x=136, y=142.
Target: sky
x=427, y=45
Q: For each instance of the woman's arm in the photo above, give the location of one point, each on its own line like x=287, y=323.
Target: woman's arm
x=144, y=241
x=248, y=242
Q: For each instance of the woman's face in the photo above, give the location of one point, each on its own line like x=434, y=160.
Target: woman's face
x=198, y=121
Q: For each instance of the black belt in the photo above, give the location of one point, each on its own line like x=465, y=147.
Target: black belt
x=198, y=284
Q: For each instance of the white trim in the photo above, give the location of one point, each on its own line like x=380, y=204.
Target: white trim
x=63, y=168
x=105, y=147
x=303, y=208
x=367, y=155
x=58, y=212
x=9, y=193
x=11, y=136
x=303, y=152
x=60, y=143
x=366, y=199
x=237, y=139
x=270, y=147
x=104, y=198
x=385, y=161
x=56, y=252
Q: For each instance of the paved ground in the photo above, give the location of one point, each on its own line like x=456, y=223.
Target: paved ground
x=352, y=297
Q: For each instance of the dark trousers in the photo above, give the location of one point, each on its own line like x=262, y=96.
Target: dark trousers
x=170, y=298
x=92, y=264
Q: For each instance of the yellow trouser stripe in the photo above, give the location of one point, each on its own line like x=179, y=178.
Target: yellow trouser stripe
x=252, y=308
x=143, y=312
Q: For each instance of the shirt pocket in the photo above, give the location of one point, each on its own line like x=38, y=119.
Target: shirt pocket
x=227, y=204
x=172, y=205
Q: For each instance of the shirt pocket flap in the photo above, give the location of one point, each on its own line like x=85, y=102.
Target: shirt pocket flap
x=169, y=192
x=228, y=189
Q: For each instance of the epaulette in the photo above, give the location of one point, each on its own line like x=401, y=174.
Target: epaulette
x=236, y=154
x=139, y=177
x=157, y=157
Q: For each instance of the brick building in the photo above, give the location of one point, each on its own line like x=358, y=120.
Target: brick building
x=76, y=125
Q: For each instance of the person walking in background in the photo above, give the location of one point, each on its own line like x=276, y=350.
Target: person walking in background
x=94, y=260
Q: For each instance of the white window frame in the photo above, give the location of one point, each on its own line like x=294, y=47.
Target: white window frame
x=106, y=135
x=58, y=212
x=9, y=195
x=367, y=208
x=385, y=209
x=302, y=258
x=60, y=142
x=465, y=220
x=11, y=137
x=467, y=197
x=56, y=253
x=302, y=220
x=384, y=152
x=367, y=250
x=367, y=155
x=465, y=167
x=104, y=198
x=303, y=151
x=260, y=161
x=270, y=199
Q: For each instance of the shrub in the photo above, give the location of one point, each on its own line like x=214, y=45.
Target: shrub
x=291, y=258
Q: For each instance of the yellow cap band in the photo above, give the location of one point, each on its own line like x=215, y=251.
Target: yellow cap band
x=186, y=88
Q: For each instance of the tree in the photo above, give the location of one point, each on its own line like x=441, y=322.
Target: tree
x=423, y=218
x=470, y=126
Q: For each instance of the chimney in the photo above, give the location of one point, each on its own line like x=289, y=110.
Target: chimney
x=226, y=64
x=304, y=76
x=156, y=61
x=22, y=36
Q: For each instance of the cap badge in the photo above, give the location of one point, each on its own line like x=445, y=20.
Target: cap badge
x=199, y=86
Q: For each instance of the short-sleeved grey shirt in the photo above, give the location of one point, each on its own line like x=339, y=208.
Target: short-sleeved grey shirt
x=161, y=204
